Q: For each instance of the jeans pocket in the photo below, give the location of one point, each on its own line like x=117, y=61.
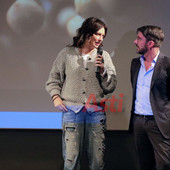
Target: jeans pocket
x=97, y=118
x=69, y=117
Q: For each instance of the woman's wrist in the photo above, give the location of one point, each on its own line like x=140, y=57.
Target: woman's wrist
x=55, y=97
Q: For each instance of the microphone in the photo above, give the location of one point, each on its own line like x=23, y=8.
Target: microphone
x=99, y=52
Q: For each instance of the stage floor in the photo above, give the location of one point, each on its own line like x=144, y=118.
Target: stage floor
x=42, y=150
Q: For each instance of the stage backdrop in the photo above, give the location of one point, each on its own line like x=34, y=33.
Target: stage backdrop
x=32, y=32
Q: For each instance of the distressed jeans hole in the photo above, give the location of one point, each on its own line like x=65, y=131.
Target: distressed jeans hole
x=70, y=129
x=69, y=160
x=102, y=121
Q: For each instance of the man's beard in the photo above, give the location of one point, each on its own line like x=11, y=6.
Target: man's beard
x=143, y=50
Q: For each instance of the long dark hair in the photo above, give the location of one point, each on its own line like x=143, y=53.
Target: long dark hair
x=89, y=27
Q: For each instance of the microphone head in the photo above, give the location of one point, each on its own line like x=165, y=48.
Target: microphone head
x=99, y=50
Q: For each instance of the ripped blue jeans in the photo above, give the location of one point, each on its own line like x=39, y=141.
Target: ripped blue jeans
x=83, y=129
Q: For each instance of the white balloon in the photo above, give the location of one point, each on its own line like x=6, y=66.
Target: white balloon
x=65, y=15
x=74, y=24
x=25, y=17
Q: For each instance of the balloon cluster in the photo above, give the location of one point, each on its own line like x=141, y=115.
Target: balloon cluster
x=26, y=17
x=70, y=17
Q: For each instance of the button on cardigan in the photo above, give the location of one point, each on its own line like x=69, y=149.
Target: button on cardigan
x=76, y=84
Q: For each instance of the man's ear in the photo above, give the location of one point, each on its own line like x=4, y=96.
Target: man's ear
x=151, y=44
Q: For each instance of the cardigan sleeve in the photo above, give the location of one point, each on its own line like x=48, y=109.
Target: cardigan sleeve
x=56, y=78
x=108, y=82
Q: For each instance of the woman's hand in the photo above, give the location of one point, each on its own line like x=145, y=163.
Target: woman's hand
x=99, y=62
x=58, y=103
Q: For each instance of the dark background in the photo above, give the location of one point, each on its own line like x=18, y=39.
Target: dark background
x=42, y=150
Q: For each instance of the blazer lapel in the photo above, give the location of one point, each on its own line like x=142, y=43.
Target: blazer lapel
x=136, y=66
x=157, y=69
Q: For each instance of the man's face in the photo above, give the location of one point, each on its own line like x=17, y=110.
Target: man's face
x=141, y=44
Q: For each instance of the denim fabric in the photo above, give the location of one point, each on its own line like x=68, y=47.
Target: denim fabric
x=83, y=129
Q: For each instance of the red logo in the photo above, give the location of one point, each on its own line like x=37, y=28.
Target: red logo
x=116, y=104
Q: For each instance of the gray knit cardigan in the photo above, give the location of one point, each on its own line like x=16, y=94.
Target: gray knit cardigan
x=77, y=84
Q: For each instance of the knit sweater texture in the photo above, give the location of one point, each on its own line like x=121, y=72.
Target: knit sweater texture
x=76, y=84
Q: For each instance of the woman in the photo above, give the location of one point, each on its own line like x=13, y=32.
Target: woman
x=79, y=92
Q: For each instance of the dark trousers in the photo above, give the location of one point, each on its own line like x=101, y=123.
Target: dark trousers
x=152, y=148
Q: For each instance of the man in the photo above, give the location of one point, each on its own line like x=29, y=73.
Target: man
x=72, y=81
x=150, y=114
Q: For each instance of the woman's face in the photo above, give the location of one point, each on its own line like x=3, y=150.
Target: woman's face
x=96, y=39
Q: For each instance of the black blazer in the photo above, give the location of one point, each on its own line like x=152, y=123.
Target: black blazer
x=159, y=92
